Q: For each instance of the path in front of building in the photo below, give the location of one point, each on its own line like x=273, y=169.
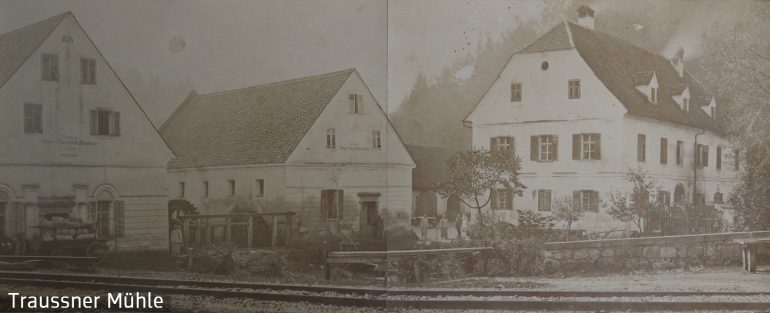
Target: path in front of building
x=434, y=234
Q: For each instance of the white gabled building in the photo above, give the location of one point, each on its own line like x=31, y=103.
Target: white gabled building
x=581, y=107
x=318, y=146
x=75, y=141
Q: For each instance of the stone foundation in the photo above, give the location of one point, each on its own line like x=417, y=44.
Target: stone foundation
x=656, y=253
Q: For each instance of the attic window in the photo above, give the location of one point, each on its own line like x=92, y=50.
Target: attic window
x=544, y=66
x=654, y=95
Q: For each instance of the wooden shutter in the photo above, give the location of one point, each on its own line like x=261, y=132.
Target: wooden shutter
x=534, y=148
x=555, y=147
x=576, y=142
x=83, y=71
x=705, y=156
x=352, y=103
x=360, y=102
x=576, y=199
x=595, y=201
x=719, y=158
x=92, y=211
x=118, y=218
x=663, y=150
x=492, y=143
x=640, y=147
x=598, y=146
x=509, y=199
x=94, y=122
x=340, y=203
x=324, y=205
x=493, y=199
x=116, y=123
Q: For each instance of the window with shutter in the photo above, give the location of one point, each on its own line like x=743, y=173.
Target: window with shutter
x=87, y=71
x=331, y=203
x=587, y=199
x=105, y=123
x=259, y=188
x=376, y=139
x=331, y=138
x=33, y=118
x=50, y=67
x=574, y=88
x=663, y=150
x=547, y=148
x=588, y=147
x=502, y=143
x=719, y=158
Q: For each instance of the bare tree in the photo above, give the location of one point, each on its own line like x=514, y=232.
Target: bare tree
x=475, y=174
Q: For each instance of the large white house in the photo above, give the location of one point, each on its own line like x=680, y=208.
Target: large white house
x=581, y=107
x=75, y=141
x=318, y=146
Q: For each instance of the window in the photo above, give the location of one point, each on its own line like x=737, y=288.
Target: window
x=544, y=65
x=356, y=103
x=719, y=158
x=718, y=197
x=700, y=200
x=33, y=118
x=205, y=188
x=574, y=88
x=376, y=139
x=586, y=147
x=259, y=188
x=679, y=193
x=737, y=160
x=679, y=152
x=501, y=199
x=103, y=218
x=332, y=203
x=502, y=143
x=641, y=147
x=181, y=190
x=544, y=148
x=105, y=123
x=686, y=104
x=588, y=200
x=50, y=67
x=543, y=200
x=515, y=92
x=331, y=138
x=87, y=71
x=713, y=112
x=663, y=150
x=702, y=156
x=664, y=197
x=231, y=184
x=654, y=95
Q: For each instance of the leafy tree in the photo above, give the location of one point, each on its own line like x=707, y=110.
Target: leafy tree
x=637, y=205
x=566, y=210
x=474, y=174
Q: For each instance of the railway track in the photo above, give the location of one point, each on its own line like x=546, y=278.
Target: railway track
x=492, y=299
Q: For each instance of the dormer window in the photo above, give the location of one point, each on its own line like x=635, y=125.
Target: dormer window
x=713, y=112
x=654, y=95
x=683, y=99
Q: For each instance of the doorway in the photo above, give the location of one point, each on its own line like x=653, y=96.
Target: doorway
x=369, y=218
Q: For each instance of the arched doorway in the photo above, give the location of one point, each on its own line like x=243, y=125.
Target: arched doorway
x=102, y=213
x=679, y=196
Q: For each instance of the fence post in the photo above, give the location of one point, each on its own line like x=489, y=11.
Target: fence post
x=250, y=236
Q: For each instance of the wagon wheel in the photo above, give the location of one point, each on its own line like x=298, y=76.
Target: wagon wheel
x=96, y=249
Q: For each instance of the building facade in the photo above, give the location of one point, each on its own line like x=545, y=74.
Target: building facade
x=581, y=107
x=319, y=146
x=75, y=141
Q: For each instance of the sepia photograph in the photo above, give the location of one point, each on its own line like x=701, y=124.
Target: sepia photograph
x=384, y=156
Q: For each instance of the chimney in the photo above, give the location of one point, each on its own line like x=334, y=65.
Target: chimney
x=586, y=17
x=678, y=61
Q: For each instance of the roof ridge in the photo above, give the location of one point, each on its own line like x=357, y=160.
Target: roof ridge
x=613, y=37
x=272, y=84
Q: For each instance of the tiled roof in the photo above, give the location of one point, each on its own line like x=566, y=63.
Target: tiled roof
x=18, y=45
x=430, y=165
x=253, y=125
x=621, y=66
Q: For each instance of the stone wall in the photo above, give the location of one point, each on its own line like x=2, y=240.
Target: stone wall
x=646, y=253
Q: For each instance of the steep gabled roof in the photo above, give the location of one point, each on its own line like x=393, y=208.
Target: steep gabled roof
x=621, y=66
x=430, y=165
x=253, y=125
x=18, y=45
x=614, y=60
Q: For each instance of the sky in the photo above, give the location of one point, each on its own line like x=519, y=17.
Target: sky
x=228, y=44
